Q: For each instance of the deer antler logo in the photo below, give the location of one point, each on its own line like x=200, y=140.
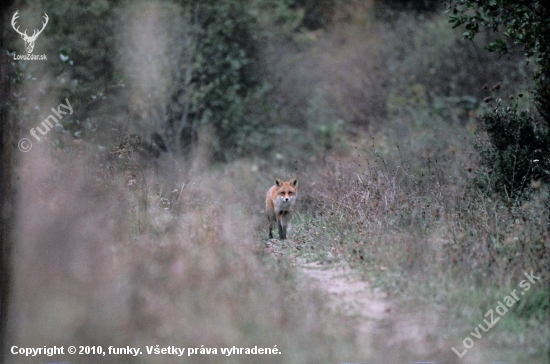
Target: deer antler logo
x=29, y=41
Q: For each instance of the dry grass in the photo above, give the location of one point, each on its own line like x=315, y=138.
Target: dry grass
x=101, y=261
x=431, y=220
x=106, y=252
x=411, y=223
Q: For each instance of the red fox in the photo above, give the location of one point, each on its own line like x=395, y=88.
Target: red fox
x=279, y=201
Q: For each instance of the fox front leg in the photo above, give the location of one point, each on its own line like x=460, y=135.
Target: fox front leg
x=283, y=224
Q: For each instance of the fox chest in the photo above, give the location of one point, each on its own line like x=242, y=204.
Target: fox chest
x=283, y=205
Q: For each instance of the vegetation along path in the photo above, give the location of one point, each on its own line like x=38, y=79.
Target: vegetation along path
x=384, y=328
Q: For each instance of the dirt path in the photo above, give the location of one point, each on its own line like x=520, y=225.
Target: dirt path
x=350, y=296
x=384, y=332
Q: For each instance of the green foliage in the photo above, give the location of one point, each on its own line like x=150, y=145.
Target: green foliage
x=409, y=5
x=517, y=151
x=317, y=14
x=430, y=66
x=524, y=22
x=83, y=49
x=519, y=147
x=78, y=51
x=217, y=76
x=534, y=304
x=221, y=84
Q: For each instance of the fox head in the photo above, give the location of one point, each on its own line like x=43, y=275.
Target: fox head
x=286, y=190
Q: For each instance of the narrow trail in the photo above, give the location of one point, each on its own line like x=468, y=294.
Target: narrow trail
x=384, y=332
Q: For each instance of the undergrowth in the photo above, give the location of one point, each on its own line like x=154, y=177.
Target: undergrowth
x=415, y=226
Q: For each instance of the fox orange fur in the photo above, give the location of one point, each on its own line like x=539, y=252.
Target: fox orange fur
x=279, y=201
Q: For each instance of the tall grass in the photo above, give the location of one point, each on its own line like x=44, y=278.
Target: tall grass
x=409, y=221
x=395, y=200
x=108, y=251
x=101, y=259
x=378, y=122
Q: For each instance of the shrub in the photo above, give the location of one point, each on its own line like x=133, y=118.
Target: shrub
x=518, y=139
x=515, y=153
x=217, y=77
x=195, y=66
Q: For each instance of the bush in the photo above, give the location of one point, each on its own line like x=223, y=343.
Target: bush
x=217, y=76
x=516, y=152
x=193, y=66
x=519, y=150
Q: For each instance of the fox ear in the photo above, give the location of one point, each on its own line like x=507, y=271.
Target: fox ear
x=294, y=182
x=278, y=182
